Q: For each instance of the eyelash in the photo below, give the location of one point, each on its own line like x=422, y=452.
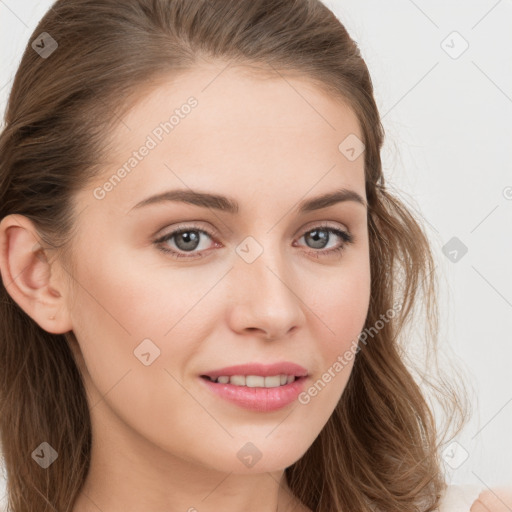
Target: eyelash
x=345, y=236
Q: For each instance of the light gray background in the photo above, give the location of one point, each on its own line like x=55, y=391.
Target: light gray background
x=448, y=154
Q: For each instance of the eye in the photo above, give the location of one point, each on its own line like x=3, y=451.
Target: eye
x=321, y=235
x=187, y=239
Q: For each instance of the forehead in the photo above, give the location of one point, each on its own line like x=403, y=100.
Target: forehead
x=231, y=96
x=247, y=129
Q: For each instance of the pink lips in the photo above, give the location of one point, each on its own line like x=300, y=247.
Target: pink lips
x=258, y=398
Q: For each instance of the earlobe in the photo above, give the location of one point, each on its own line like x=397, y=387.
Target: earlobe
x=27, y=275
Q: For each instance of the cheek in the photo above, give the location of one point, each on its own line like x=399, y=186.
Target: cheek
x=119, y=318
x=115, y=310
x=342, y=305
x=340, y=311
x=127, y=313
x=122, y=298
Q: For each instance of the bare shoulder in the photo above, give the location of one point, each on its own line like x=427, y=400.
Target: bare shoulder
x=498, y=499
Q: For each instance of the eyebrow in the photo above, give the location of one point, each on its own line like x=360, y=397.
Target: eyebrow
x=229, y=205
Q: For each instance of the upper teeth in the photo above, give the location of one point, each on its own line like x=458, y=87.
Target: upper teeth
x=256, y=381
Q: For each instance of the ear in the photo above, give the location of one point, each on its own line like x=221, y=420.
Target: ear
x=27, y=275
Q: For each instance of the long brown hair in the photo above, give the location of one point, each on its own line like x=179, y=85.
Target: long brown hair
x=380, y=447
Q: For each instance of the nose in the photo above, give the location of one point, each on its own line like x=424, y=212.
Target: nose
x=266, y=297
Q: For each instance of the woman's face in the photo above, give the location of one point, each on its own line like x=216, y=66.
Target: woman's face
x=260, y=283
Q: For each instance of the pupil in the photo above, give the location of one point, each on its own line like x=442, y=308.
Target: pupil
x=316, y=237
x=189, y=239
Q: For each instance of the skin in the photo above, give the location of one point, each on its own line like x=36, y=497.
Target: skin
x=161, y=440
x=498, y=499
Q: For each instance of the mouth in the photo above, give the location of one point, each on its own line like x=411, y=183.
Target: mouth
x=255, y=381
x=259, y=393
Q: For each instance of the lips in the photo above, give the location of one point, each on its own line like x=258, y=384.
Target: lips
x=255, y=386
x=263, y=370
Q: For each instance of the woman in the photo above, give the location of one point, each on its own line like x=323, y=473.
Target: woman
x=206, y=283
